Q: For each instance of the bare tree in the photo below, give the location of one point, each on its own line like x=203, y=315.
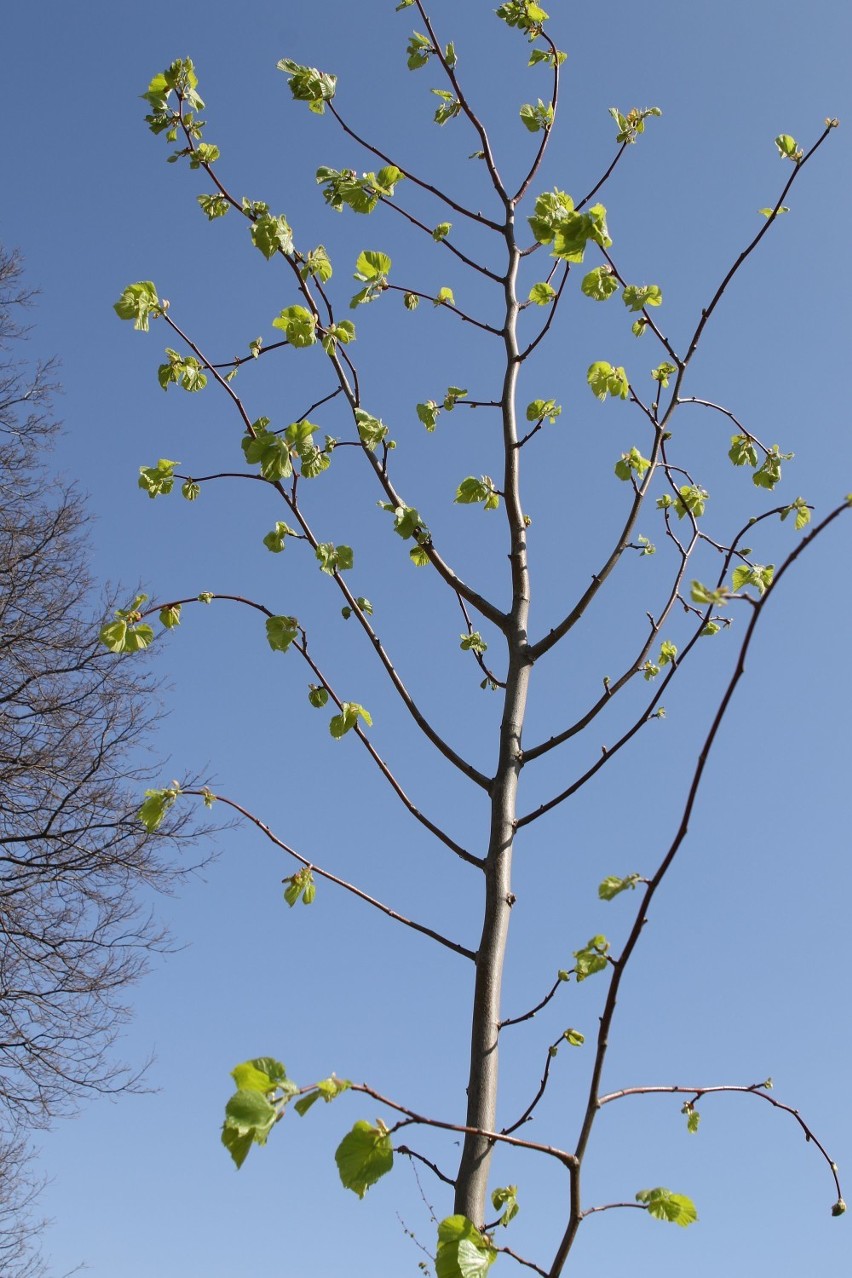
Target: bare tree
x=73, y=857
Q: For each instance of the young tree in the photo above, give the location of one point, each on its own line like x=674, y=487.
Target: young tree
x=518, y=255
x=73, y=858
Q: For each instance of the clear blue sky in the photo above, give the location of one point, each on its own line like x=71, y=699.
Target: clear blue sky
x=744, y=970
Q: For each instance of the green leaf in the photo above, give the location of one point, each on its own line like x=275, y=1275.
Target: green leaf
x=280, y=632
x=473, y=643
x=599, y=284
x=327, y=1090
x=592, y=958
x=213, y=206
x=803, y=514
x=419, y=50
x=462, y=1250
x=317, y=696
x=524, y=15
x=452, y=397
x=690, y=498
x=350, y=713
x=333, y=558
x=441, y=231
x=631, y=125
x=444, y=296
x=758, y=575
x=612, y=885
x=542, y=294
x=183, y=369
x=301, y=884
x=371, y=430
x=318, y=264
x=157, y=803
x=473, y=490
x=419, y=557
x=548, y=56
x=574, y=1038
x=538, y=117
x=138, y=302
x=157, y=480
x=126, y=633
x=263, y=1075
x=788, y=148
x=449, y=108
x=411, y=301
x=298, y=324
x=538, y=409
x=507, y=1199
x=275, y=539
x=271, y=452
x=630, y=464
x=170, y=616
x=693, y=1118
x=646, y=547
x=636, y=298
x=190, y=490
x=343, y=331
x=768, y=212
x=307, y=84
x=663, y=372
x=668, y=653
x=704, y=595
x=371, y=265
x=769, y=473
x=272, y=235
x=407, y=521
x=605, y=380
x=664, y=1205
x=363, y=1156
x=742, y=451
x=344, y=187
x=428, y=414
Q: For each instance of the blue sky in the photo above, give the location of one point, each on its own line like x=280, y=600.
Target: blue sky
x=744, y=968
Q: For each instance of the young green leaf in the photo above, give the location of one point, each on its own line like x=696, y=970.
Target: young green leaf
x=612, y=885
x=183, y=369
x=507, y=1200
x=301, y=884
x=573, y=1037
x=333, y=558
x=788, y=148
x=472, y=490
x=350, y=713
x=371, y=430
x=664, y=1205
x=473, y=643
x=742, y=451
x=157, y=803
x=630, y=464
x=280, y=632
x=636, y=298
x=363, y=1156
x=419, y=50
x=299, y=325
x=605, y=380
x=444, y=296
x=631, y=125
x=275, y=539
x=272, y=235
x=441, y=231
x=542, y=294
x=307, y=84
x=462, y=1250
x=591, y=958
x=538, y=117
x=663, y=372
x=170, y=616
x=327, y=1090
x=138, y=302
x=318, y=264
x=317, y=696
x=693, y=1118
x=803, y=514
x=768, y=212
x=157, y=480
x=213, y=206
x=690, y=498
x=758, y=575
x=599, y=284
x=449, y=108
x=538, y=409
x=523, y=14
x=190, y=490
x=126, y=633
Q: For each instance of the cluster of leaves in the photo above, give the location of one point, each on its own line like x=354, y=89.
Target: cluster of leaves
x=555, y=221
x=361, y=194
x=274, y=452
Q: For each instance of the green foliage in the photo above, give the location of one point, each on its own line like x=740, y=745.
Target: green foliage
x=691, y=498
x=298, y=324
x=317, y=696
x=788, y=148
x=419, y=50
x=631, y=125
x=441, y=231
x=599, y=284
x=213, y=206
x=263, y=1090
x=523, y=14
x=662, y=1204
x=183, y=369
x=538, y=117
x=505, y=1200
x=333, y=558
x=542, y=294
x=126, y=633
x=742, y=451
x=472, y=490
x=758, y=575
x=473, y=643
x=551, y=57
x=316, y=263
x=663, y=372
x=363, y=1156
x=280, y=632
x=307, y=84
x=371, y=431
x=803, y=514
x=668, y=653
x=190, y=490
x=157, y=803
x=170, y=616
x=444, y=296
x=328, y=1089
x=407, y=521
x=350, y=713
x=591, y=958
x=768, y=212
x=301, y=884
x=693, y=1118
x=343, y=331
x=275, y=539
x=344, y=187
x=573, y=1037
x=636, y=297
x=449, y=108
x=272, y=235
x=612, y=885
x=768, y=473
x=462, y=1250
x=139, y=302
x=539, y=409
x=702, y=594
x=157, y=480
x=605, y=380
x=372, y=270
x=556, y=222
x=630, y=464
